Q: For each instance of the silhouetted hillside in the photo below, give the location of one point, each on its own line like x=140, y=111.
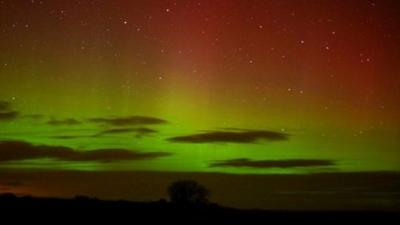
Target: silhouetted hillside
x=83, y=208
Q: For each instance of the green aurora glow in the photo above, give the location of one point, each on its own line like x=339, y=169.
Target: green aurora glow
x=332, y=88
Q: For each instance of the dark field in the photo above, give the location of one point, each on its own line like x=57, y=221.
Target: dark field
x=125, y=212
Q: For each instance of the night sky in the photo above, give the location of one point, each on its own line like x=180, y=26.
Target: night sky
x=220, y=88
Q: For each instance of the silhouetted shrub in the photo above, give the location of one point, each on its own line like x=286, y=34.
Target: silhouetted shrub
x=188, y=192
x=8, y=196
x=162, y=201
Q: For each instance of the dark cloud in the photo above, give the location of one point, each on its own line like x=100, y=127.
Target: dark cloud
x=140, y=132
x=63, y=122
x=129, y=121
x=289, y=163
x=34, y=116
x=66, y=137
x=239, y=136
x=4, y=105
x=6, y=113
x=144, y=131
x=18, y=150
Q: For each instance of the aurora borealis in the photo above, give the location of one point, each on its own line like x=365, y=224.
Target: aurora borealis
x=232, y=87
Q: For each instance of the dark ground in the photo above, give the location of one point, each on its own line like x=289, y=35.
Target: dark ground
x=80, y=209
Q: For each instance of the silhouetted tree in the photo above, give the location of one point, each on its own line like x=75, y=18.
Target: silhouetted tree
x=188, y=192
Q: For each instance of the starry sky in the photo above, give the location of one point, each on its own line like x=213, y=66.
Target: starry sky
x=232, y=87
